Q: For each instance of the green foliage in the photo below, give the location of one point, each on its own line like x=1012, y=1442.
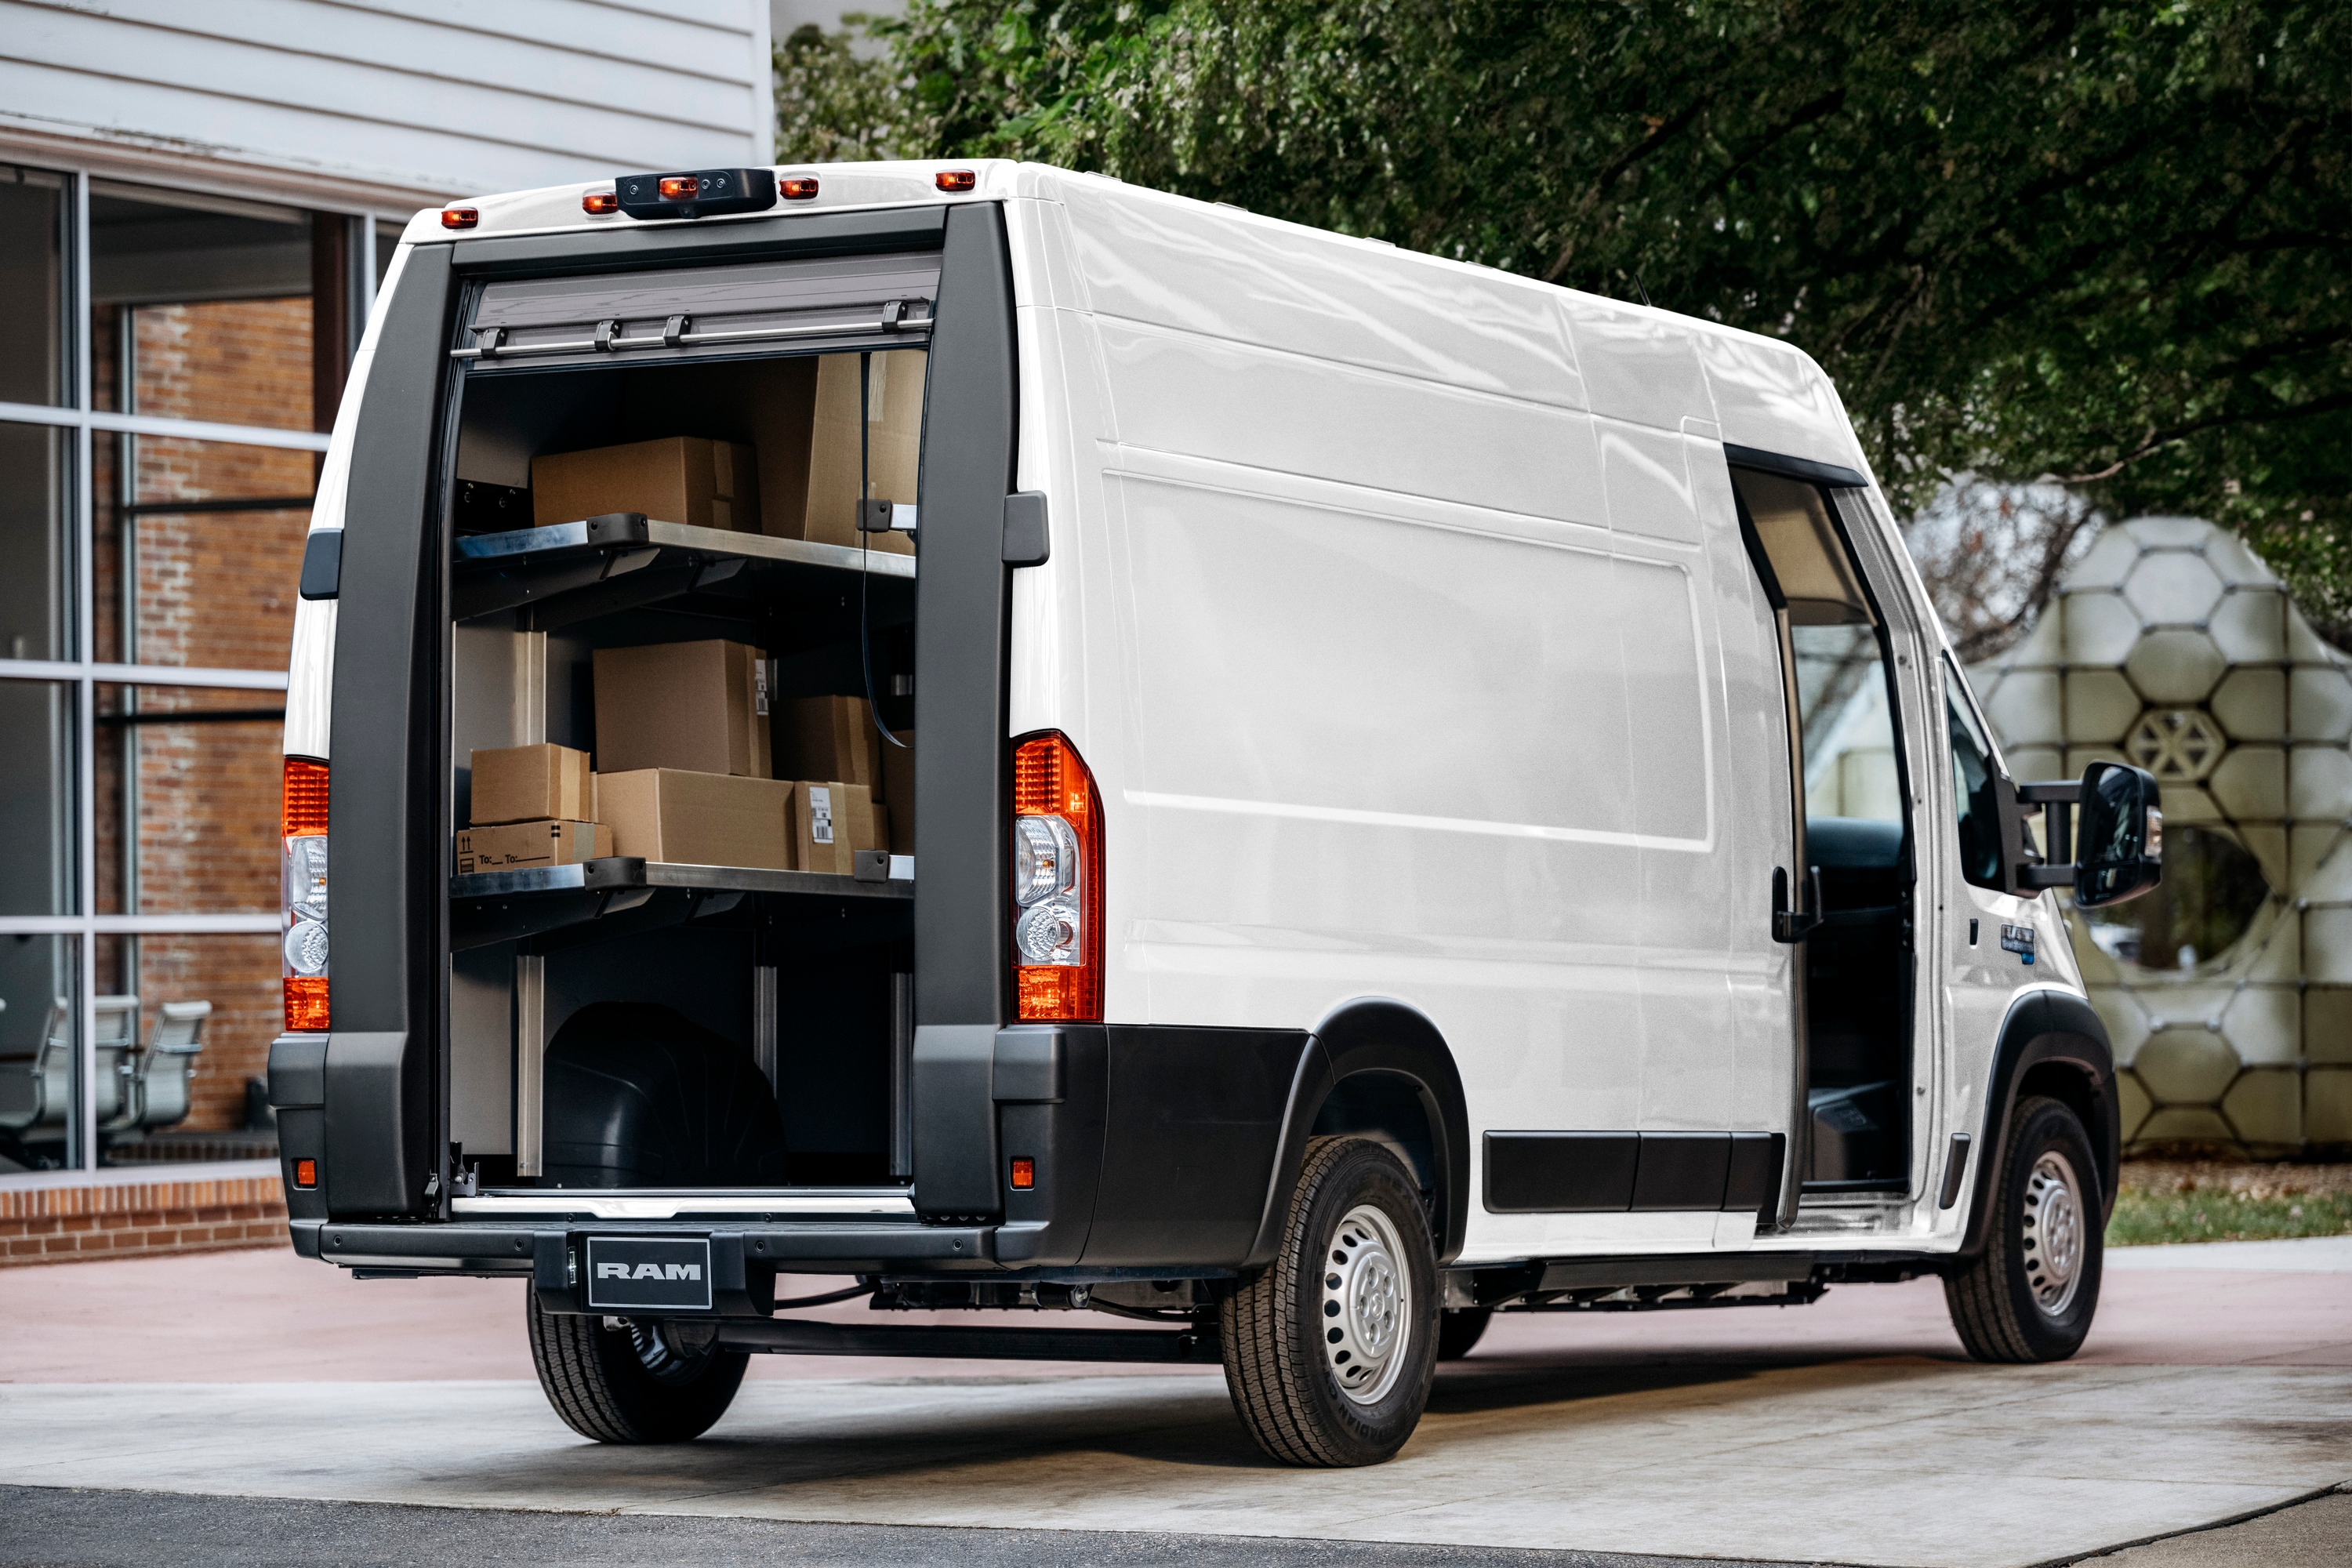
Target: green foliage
x=2098, y=241
x=835, y=105
x=2146, y=1219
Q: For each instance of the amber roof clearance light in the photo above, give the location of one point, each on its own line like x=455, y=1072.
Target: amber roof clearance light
x=459, y=217
x=798, y=187
x=956, y=179
x=600, y=203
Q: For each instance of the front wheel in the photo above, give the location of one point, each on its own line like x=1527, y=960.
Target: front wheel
x=620, y=1381
x=2030, y=1295
x=1330, y=1352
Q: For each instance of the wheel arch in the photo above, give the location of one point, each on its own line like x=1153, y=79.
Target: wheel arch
x=1378, y=1068
x=2051, y=1043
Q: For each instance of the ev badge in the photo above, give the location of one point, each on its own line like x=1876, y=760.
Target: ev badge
x=627, y=1273
x=2017, y=940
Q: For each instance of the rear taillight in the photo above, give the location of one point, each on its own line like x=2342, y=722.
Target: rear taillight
x=1057, y=882
x=303, y=878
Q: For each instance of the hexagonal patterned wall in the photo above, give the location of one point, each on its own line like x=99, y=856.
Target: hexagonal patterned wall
x=2170, y=646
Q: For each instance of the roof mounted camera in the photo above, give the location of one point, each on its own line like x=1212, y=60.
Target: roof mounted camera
x=702, y=192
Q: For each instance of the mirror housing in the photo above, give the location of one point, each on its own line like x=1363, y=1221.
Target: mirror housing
x=2121, y=839
x=2122, y=835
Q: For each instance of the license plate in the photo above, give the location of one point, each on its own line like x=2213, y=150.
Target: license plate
x=629, y=1274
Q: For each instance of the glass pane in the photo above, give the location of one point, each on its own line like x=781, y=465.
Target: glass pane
x=199, y=551
x=200, y=307
x=197, y=771
x=36, y=815
x=36, y=535
x=39, y=1018
x=1973, y=769
x=1849, y=737
x=197, y=1015
x=32, y=282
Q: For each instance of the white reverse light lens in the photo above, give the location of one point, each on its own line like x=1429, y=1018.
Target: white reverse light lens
x=1048, y=933
x=1045, y=858
x=306, y=876
x=306, y=947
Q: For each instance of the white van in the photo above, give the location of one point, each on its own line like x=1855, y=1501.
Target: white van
x=1438, y=794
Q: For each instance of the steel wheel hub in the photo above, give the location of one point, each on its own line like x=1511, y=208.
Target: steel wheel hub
x=2054, y=1241
x=1367, y=1307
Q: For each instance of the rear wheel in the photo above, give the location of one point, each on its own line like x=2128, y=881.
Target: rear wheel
x=620, y=1381
x=1329, y=1352
x=2031, y=1294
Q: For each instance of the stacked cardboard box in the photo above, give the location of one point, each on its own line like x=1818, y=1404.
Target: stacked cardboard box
x=684, y=479
x=532, y=806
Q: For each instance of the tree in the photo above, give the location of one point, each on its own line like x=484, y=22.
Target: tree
x=2098, y=243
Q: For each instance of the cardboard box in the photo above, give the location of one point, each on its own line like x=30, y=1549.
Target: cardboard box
x=699, y=818
x=681, y=478
x=532, y=783
x=698, y=706
x=831, y=822
x=899, y=789
x=517, y=846
x=828, y=738
x=825, y=509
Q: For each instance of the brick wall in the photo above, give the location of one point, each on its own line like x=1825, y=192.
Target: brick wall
x=213, y=589
x=70, y=1223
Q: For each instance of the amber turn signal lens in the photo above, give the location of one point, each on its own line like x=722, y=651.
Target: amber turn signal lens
x=598, y=203
x=305, y=1172
x=678, y=187
x=459, y=217
x=306, y=1001
x=798, y=187
x=304, y=802
x=1024, y=1172
x=956, y=179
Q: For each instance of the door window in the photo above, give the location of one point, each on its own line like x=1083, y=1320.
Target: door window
x=1973, y=769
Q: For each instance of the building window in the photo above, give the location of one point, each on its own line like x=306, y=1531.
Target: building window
x=160, y=441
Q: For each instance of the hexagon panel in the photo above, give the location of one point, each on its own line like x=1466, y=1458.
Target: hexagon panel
x=2267, y=1108
x=2100, y=705
x=2186, y=1067
x=2319, y=702
x=2251, y=782
x=2249, y=626
x=2100, y=628
x=2175, y=666
x=2172, y=588
x=2251, y=704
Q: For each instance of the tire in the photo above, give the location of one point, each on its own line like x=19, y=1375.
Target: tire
x=2031, y=1294
x=624, y=1384
x=1329, y=1352
x=1459, y=1329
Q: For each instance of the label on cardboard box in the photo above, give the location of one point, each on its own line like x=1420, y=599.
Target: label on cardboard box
x=820, y=813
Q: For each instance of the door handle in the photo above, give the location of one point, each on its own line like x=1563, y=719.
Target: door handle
x=1795, y=925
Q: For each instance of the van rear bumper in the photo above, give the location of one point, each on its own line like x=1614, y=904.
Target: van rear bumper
x=744, y=1258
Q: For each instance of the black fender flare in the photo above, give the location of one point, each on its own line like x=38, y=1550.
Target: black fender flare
x=2045, y=1026
x=1374, y=1035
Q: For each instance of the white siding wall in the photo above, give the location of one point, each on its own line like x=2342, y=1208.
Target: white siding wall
x=435, y=97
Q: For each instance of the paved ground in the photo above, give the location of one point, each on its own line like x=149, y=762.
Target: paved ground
x=1849, y=1431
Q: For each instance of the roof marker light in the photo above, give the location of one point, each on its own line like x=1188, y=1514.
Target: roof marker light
x=798, y=187
x=956, y=179
x=459, y=217
x=678, y=187
x=600, y=203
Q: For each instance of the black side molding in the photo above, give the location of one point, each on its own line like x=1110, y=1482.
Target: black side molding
x=322, y=563
x=1614, y=1172
x=1956, y=1165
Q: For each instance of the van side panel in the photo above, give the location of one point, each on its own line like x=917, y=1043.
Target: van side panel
x=386, y=750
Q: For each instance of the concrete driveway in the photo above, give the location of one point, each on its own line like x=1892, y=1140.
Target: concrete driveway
x=1848, y=1431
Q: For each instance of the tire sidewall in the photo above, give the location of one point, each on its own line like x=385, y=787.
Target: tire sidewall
x=1368, y=1173
x=2047, y=1126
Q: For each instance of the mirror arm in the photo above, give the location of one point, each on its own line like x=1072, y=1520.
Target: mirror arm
x=2057, y=799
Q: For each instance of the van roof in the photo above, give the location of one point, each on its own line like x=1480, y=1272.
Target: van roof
x=1767, y=392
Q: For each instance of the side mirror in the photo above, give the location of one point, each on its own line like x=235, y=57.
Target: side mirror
x=2121, y=835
